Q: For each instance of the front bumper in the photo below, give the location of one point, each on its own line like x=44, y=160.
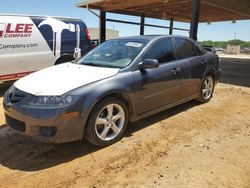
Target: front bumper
x=45, y=125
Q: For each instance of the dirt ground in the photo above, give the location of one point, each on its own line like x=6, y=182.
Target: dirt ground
x=192, y=145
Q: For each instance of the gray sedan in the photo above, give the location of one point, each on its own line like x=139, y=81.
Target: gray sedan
x=121, y=81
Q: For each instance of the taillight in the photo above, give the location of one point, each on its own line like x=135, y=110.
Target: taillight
x=87, y=34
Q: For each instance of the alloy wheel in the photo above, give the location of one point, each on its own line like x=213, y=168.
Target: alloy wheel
x=110, y=122
x=207, y=88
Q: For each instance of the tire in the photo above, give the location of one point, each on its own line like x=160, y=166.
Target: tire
x=107, y=122
x=206, y=89
x=64, y=59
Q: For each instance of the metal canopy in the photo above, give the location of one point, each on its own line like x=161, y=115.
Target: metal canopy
x=180, y=10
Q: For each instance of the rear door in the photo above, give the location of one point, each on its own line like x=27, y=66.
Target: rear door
x=76, y=36
x=160, y=86
x=192, y=66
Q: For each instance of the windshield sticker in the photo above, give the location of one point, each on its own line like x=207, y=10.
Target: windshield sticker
x=134, y=44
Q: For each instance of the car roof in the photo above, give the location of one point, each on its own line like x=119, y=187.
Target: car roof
x=40, y=16
x=154, y=37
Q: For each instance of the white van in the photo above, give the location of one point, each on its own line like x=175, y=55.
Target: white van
x=30, y=43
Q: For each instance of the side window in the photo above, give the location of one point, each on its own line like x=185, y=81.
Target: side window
x=185, y=49
x=163, y=51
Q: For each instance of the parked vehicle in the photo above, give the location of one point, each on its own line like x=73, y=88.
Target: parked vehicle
x=95, y=43
x=245, y=50
x=120, y=81
x=219, y=49
x=209, y=49
x=30, y=43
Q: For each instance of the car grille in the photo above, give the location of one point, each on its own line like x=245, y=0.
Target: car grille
x=15, y=124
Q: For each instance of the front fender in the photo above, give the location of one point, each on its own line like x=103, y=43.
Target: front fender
x=121, y=85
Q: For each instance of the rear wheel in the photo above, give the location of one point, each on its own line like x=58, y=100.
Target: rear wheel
x=107, y=122
x=207, y=89
x=64, y=59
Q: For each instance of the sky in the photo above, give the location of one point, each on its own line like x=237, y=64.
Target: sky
x=219, y=31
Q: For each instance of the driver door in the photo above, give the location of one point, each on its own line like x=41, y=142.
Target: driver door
x=159, y=86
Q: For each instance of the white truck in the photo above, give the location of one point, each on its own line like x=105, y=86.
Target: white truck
x=30, y=43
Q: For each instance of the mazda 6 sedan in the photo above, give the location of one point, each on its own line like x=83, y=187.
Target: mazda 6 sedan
x=121, y=81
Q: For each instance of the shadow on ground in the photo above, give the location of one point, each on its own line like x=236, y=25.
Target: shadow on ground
x=20, y=153
x=235, y=71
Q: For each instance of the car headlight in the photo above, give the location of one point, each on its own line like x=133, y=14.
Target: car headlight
x=12, y=89
x=53, y=100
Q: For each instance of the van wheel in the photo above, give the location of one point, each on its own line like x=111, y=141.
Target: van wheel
x=64, y=59
x=207, y=89
x=107, y=122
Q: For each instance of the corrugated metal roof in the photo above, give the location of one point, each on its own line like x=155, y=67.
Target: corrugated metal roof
x=211, y=10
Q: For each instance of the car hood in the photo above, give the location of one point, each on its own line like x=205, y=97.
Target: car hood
x=57, y=80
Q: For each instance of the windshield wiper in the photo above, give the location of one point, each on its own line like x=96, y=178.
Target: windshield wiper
x=92, y=64
x=96, y=65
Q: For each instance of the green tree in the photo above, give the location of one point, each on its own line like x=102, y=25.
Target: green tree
x=223, y=44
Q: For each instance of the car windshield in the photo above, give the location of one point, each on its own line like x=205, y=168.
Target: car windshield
x=118, y=53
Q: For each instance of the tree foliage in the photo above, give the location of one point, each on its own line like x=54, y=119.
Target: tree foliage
x=223, y=44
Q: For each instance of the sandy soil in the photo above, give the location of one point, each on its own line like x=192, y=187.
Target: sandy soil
x=191, y=145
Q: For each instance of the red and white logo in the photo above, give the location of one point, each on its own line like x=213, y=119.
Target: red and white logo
x=2, y=29
x=10, y=30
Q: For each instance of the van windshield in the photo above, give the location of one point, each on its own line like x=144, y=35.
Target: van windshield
x=118, y=53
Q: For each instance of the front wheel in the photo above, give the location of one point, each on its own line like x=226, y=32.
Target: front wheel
x=207, y=89
x=107, y=122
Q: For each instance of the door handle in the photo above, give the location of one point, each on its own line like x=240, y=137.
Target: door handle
x=175, y=71
x=203, y=61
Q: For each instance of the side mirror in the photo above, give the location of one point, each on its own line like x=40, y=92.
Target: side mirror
x=149, y=64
